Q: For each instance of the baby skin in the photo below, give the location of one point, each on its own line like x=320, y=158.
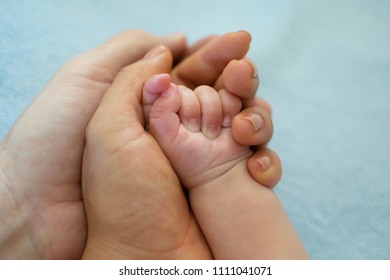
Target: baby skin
x=240, y=218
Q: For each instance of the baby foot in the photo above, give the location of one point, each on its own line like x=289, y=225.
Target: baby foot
x=193, y=128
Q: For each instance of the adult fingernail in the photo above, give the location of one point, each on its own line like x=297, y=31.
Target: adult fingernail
x=176, y=36
x=264, y=163
x=255, y=74
x=156, y=51
x=242, y=31
x=255, y=120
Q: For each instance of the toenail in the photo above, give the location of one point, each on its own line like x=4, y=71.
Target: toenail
x=255, y=120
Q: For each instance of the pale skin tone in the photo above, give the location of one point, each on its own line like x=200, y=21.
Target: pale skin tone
x=166, y=229
x=42, y=211
x=240, y=218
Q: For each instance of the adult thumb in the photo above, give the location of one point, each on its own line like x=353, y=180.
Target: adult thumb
x=120, y=109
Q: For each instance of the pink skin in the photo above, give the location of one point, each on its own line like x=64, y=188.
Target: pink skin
x=193, y=128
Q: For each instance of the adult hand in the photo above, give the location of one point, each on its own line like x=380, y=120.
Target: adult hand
x=42, y=214
x=220, y=62
x=135, y=204
x=41, y=208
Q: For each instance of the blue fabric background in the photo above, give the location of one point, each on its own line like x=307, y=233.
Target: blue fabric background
x=324, y=66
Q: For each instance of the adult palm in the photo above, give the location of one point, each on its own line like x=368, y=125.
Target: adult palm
x=41, y=203
x=42, y=210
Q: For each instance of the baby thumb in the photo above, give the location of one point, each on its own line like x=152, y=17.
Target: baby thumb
x=164, y=122
x=120, y=108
